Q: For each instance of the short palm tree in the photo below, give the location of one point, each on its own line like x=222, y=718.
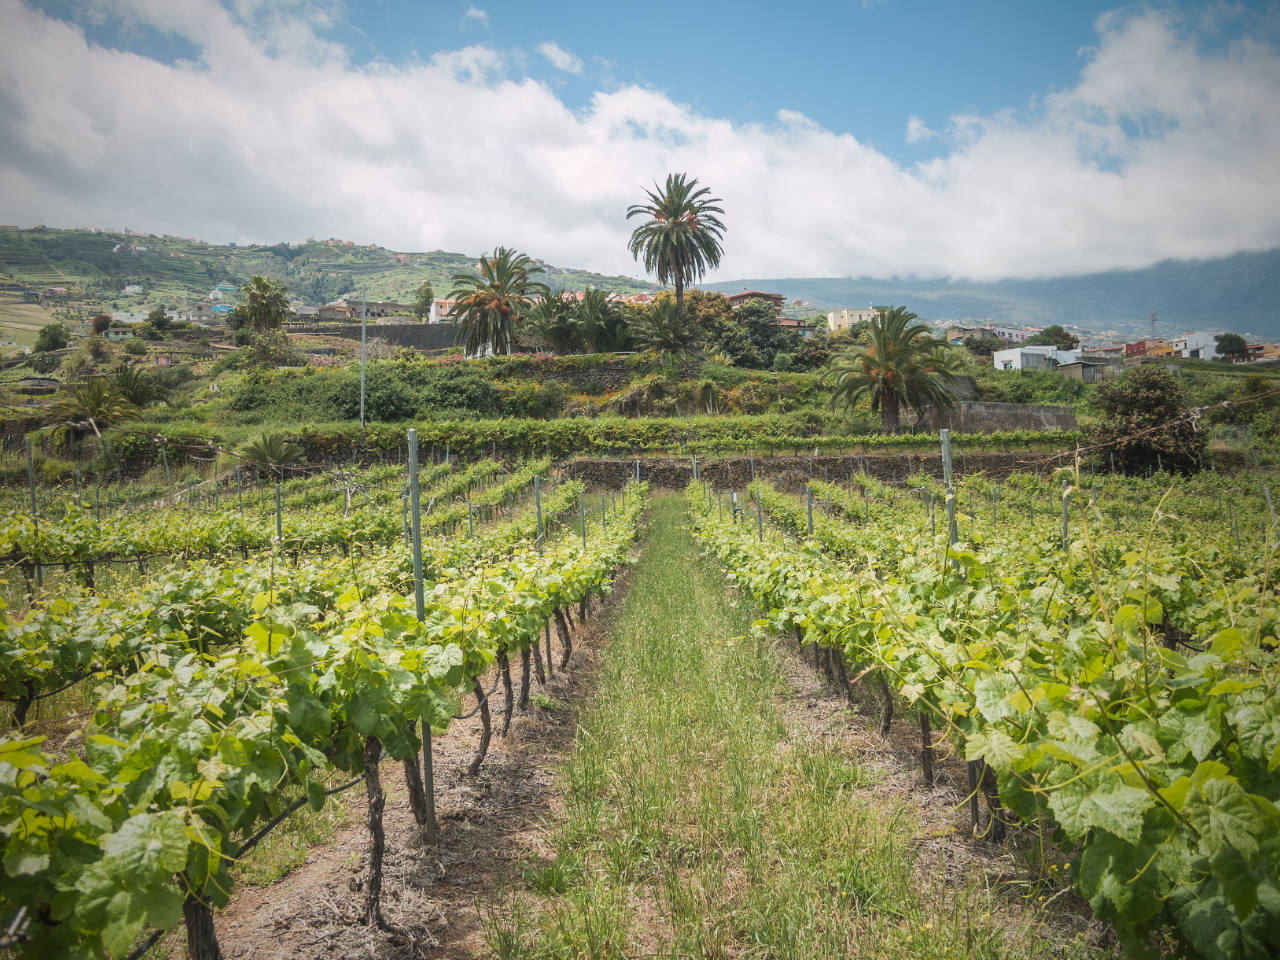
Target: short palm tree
x=266, y=305
x=666, y=328
x=552, y=319
x=901, y=363
x=601, y=321
x=489, y=306
x=136, y=387
x=680, y=240
x=91, y=404
x=271, y=450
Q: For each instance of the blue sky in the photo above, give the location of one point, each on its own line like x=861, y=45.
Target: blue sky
x=976, y=139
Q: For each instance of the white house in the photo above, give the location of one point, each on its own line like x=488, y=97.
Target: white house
x=1195, y=346
x=838, y=320
x=1033, y=358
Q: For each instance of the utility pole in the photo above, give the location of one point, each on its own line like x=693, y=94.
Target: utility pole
x=364, y=330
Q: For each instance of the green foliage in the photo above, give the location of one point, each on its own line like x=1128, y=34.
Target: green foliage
x=135, y=347
x=271, y=450
x=423, y=297
x=1145, y=423
x=158, y=319
x=95, y=347
x=273, y=348
x=680, y=240
x=901, y=364
x=1231, y=345
x=266, y=303
x=1053, y=336
x=52, y=336
x=665, y=328
x=489, y=306
x=1155, y=769
x=45, y=362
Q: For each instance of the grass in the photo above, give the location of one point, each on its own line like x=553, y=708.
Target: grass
x=697, y=824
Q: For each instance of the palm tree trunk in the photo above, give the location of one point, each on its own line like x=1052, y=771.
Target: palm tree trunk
x=889, y=417
x=679, y=291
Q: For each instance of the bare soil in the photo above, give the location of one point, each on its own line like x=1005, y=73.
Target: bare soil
x=1029, y=891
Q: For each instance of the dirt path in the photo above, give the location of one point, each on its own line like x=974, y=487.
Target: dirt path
x=490, y=824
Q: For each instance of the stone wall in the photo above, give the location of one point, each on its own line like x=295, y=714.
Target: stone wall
x=421, y=336
x=986, y=416
x=792, y=473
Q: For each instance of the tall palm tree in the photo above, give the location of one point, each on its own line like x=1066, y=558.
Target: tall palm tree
x=666, y=328
x=901, y=363
x=265, y=303
x=680, y=240
x=490, y=305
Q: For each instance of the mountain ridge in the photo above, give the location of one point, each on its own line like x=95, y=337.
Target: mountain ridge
x=1240, y=293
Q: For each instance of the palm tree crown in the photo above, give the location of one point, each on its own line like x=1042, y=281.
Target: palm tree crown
x=666, y=328
x=265, y=302
x=680, y=241
x=490, y=305
x=91, y=404
x=902, y=363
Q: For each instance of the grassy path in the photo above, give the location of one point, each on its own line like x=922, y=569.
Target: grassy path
x=699, y=822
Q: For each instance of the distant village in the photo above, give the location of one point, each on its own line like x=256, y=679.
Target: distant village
x=1094, y=358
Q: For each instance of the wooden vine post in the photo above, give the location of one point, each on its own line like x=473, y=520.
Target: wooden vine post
x=430, y=828
x=926, y=734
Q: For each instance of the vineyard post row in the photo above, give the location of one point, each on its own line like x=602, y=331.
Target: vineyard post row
x=544, y=590
x=1129, y=859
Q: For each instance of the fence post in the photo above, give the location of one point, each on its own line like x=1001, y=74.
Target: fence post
x=809, y=506
x=945, y=437
x=35, y=516
x=428, y=768
x=537, y=504
x=168, y=477
x=279, y=513
x=1065, y=527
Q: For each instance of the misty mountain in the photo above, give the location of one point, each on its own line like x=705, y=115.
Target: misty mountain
x=1240, y=293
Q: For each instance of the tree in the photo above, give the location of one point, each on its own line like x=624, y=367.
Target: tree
x=90, y=404
x=158, y=319
x=680, y=241
x=266, y=306
x=983, y=346
x=423, y=297
x=101, y=322
x=554, y=323
x=1145, y=423
x=1053, y=336
x=666, y=328
x=489, y=306
x=136, y=387
x=1231, y=345
x=902, y=363
x=52, y=336
x=601, y=324
x=271, y=450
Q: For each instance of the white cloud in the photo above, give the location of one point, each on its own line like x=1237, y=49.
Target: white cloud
x=918, y=131
x=475, y=15
x=560, y=58
x=1160, y=150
